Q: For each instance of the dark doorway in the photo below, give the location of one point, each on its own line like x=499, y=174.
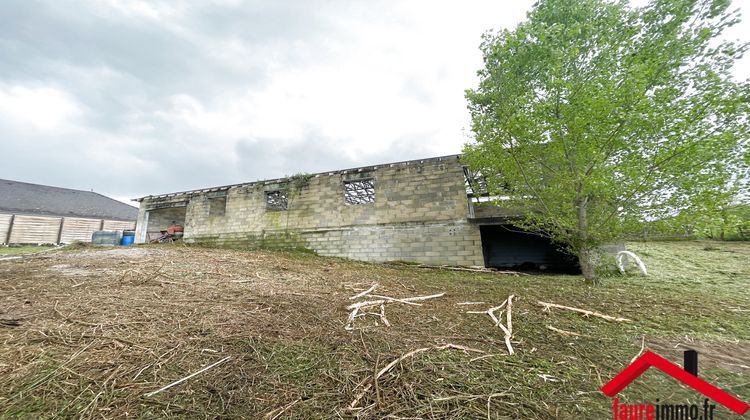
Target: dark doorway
x=508, y=247
x=159, y=220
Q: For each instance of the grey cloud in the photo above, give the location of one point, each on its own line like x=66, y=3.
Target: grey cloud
x=270, y=158
x=124, y=69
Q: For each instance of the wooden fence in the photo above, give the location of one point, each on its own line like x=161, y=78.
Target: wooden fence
x=26, y=229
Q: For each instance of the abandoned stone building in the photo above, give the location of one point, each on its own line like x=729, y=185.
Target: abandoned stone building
x=418, y=210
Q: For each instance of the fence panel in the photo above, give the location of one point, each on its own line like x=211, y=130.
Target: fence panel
x=35, y=230
x=4, y=226
x=77, y=229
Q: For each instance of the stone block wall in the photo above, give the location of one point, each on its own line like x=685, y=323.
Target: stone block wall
x=419, y=214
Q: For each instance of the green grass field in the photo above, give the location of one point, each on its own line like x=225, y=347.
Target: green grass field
x=19, y=250
x=95, y=330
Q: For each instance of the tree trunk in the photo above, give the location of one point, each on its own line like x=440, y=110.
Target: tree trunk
x=586, y=254
x=588, y=266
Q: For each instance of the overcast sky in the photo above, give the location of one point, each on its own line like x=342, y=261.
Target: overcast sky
x=131, y=98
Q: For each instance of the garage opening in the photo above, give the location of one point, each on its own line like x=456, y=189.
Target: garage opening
x=161, y=219
x=508, y=247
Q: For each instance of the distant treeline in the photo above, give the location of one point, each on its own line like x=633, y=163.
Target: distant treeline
x=731, y=223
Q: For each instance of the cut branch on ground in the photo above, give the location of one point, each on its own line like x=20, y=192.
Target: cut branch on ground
x=508, y=327
x=584, y=312
x=381, y=301
x=368, y=383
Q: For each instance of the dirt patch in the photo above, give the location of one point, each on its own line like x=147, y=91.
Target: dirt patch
x=67, y=270
x=121, y=252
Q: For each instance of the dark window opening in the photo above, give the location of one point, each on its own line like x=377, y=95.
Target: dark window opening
x=217, y=206
x=361, y=191
x=508, y=247
x=276, y=200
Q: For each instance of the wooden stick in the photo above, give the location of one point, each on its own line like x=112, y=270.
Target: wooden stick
x=489, y=402
x=273, y=415
x=491, y=312
x=446, y=267
x=472, y=270
x=386, y=299
x=150, y=394
x=483, y=357
x=643, y=346
x=509, y=325
x=509, y=315
x=418, y=298
x=359, y=396
x=359, y=305
x=355, y=307
x=359, y=295
x=349, y=320
x=496, y=320
x=382, y=316
x=547, y=306
x=563, y=332
x=390, y=366
x=390, y=299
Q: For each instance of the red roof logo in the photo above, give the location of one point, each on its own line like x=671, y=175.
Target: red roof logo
x=640, y=365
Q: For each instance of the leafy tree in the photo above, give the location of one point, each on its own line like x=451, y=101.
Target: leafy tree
x=720, y=222
x=600, y=116
x=730, y=222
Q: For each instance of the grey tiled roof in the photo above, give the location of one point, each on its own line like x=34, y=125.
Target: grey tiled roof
x=23, y=198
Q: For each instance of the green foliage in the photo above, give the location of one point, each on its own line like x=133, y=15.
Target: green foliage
x=726, y=223
x=601, y=117
x=299, y=181
x=723, y=222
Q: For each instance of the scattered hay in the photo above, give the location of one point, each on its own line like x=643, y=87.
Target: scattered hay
x=141, y=320
x=368, y=383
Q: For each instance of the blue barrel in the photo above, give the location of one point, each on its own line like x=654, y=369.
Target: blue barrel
x=127, y=240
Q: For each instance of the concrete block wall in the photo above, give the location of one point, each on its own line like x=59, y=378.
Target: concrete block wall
x=452, y=243
x=419, y=214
